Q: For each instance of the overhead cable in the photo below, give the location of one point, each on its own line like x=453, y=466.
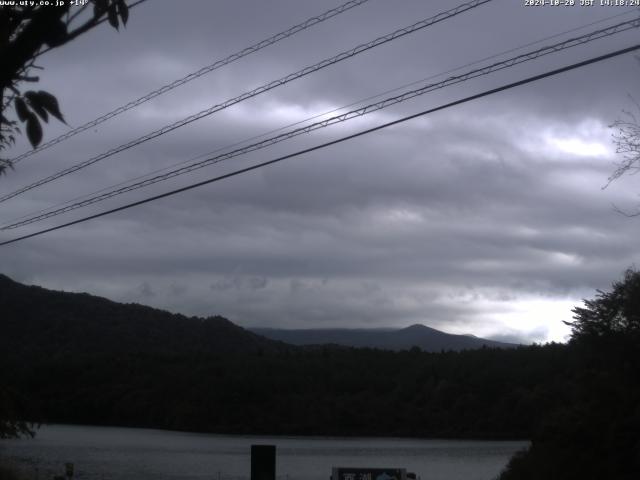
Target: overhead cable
x=598, y=34
x=197, y=74
x=322, y=114
x=509, y=86
x=264, y=88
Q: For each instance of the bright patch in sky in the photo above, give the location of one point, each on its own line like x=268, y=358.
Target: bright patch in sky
x=579, y=147
x=399, y=216
x=587, y=139
x=503, y=314
x=539, y=315
x=567, y=259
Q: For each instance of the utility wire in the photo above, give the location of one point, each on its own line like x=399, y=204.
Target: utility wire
x=598, y=34
x=319, y=115
x=192, y=76
x=264, y=88
x=502, y=88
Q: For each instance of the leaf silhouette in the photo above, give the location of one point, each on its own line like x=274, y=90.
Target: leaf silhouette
x=99, y=7
x=36, y=105
x=50, y=104
x=56, y=34
x=21, y=109
x=112, y=14
x=34, y=130
x=123, y=10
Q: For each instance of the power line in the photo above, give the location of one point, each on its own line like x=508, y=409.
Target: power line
x=337, y=119
x=192, y=76
x=525, y=81
x=264, y=88
x=319, y=115
x=525, y=57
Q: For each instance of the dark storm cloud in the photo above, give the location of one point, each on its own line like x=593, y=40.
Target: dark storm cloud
x=488, y=218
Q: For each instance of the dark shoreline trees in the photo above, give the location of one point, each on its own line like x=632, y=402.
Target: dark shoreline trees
x=13, y=411
x=596, y=435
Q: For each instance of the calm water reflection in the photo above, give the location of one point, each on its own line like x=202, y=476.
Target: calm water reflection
x=138, y=454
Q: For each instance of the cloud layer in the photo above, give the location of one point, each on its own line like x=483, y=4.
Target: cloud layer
x=488, y=218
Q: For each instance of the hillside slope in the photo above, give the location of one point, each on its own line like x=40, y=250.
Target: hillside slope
x=39, y=322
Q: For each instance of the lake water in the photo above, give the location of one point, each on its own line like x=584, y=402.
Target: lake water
x=140, y=454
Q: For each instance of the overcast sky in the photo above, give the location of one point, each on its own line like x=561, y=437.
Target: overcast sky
x=486, y=218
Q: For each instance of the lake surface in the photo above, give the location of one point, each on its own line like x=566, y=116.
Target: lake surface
x=140, y=454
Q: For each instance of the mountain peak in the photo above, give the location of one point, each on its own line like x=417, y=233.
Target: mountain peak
x=418, y=327
x=415, y=326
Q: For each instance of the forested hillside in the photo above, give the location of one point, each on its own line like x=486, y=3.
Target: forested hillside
x=37, y=323
x=484, y=393
x=84, y=359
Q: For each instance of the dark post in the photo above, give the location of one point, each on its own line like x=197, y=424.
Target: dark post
x=263, y=462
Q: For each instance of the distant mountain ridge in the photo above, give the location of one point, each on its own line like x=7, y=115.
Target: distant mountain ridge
x=426, y=338
x=39, y=322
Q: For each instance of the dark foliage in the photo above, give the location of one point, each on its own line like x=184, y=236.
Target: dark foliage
x=484, y=393
x=611, y=313
x=14, y=407
x=596, y=435
x=27, y=30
